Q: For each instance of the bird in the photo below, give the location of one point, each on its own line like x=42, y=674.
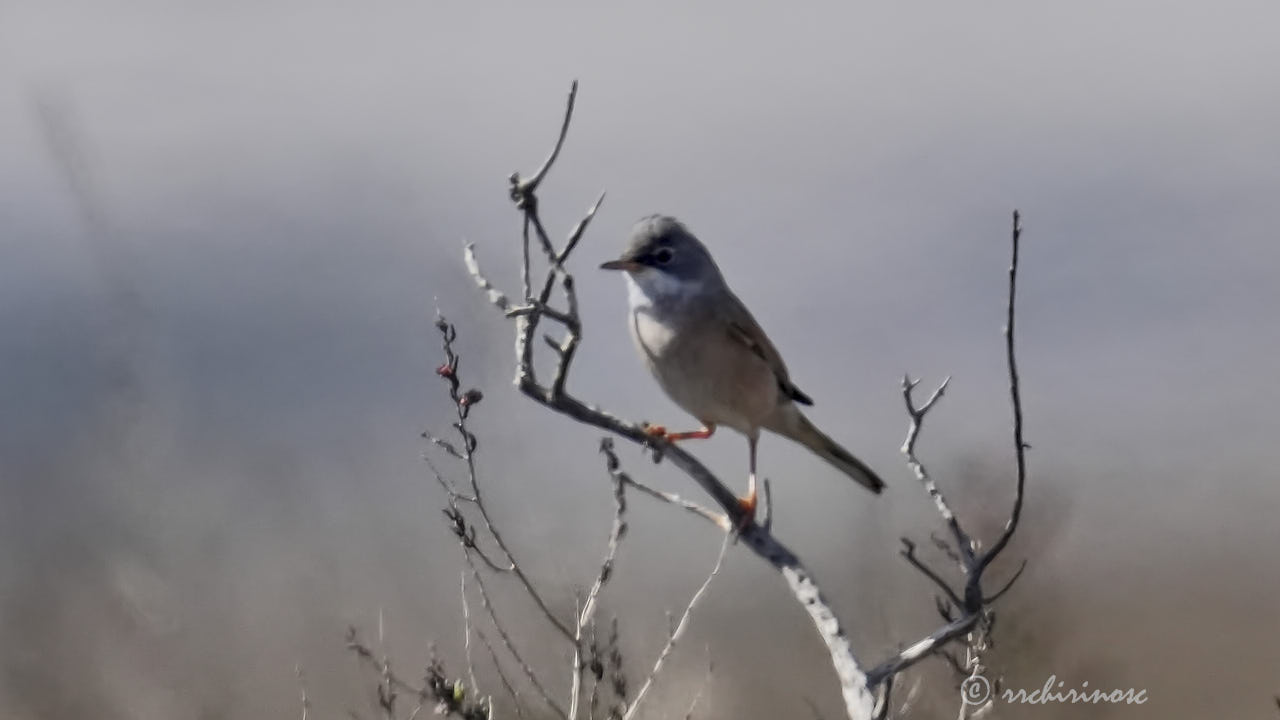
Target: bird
x=709, y=354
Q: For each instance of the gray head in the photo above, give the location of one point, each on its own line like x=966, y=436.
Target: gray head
x=663, y=257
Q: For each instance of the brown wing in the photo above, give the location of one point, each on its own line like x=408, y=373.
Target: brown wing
x=744, y=329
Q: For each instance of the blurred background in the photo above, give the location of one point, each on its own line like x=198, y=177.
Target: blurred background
x=225, y=229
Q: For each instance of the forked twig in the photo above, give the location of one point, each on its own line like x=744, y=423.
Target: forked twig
x=973, y=605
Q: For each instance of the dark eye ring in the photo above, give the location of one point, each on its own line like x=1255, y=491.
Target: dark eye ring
x=662, y=256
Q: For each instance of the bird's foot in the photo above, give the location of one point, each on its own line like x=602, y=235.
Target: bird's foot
x=656, y=436
x=655, y=431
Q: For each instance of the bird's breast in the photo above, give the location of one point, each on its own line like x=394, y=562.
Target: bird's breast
x=654, y=336
x=703, y=371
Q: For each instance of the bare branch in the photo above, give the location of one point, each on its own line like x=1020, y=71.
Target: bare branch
x=616, y=531
x=502, y=675
x=678, y=632
x=530, y=185
x=999, y=593
x=908, y=552
x=449, y=371
x=473, y=266
x=522, y=192
x=445, y=445
x=569, y=347
x=541, y=309
x=702, y=687
x=302, y=690
x=466, y=632
x=855, y=685
x=917, y=415
x=508, y=643
x=466, y=535
x=616, y=471
x=1015, y=400
x=922, y=649
x=576, y=234
x=450, y=489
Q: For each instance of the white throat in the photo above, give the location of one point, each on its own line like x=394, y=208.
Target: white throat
x=651, y=289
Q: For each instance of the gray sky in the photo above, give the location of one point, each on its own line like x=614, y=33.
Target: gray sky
x=213, y=388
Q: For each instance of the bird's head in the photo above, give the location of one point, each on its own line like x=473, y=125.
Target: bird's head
x=665, y=260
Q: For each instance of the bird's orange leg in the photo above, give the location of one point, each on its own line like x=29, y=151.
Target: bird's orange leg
x=748, y=503
x=658, y=431
x=707, y=431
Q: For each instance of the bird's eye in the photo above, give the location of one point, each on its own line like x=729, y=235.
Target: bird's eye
x=662, y=256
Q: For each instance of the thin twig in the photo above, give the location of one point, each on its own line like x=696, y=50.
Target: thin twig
x=302, y=690
x=450, y=489
x=702, y=687
x=615, y=470
x=676, y=634
x=1015, y=400
x=502, y=675
x=470, y=444
x=473, y=268
x=530, y=185
x=999, y=593
x=616, y=531
x=466, y=633
x=509, y=644
x=917, y=415
x=909, y=553
x=578, y=230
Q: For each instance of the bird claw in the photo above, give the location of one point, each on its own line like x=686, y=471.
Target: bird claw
x=655, y=431
x=654, y=434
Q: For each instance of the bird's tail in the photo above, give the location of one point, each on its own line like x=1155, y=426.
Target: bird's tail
x=796, y=426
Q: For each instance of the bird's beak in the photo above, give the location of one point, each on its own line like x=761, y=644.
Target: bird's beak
x=621, y=264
